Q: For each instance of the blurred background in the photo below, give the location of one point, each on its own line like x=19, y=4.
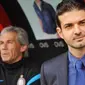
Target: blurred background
x=43, y=46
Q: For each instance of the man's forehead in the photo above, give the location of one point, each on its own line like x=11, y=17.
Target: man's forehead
x=8, y=36
x=8, y=33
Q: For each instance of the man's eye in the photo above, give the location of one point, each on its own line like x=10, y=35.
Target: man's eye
x=68, y=26
x=10, y=42
x=1, y=42
x=82, y=23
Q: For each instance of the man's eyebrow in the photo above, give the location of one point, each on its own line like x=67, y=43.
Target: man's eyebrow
x=71, y=23
x=67, y=24
x=82, y=20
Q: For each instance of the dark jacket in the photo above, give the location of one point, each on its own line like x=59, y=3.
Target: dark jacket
x=55, y=71
x=10, y=73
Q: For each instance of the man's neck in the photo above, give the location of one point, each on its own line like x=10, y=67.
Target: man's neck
x=78, y=53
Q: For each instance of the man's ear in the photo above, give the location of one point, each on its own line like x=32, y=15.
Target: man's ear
x=59, y=31
x=24, y=48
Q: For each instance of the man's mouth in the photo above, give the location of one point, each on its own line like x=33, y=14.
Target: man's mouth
x=4, y=53
x=79, y=38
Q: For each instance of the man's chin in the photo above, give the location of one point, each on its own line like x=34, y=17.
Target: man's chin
x=5, y=60
x=79, y=46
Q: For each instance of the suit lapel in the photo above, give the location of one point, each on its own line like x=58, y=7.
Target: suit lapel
x=62, y=71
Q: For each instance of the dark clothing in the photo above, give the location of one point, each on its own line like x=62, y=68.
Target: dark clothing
x=10, y=73
x=55, y=71
x=47, y=16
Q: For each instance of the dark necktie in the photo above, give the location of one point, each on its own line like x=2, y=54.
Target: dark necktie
x=80, y=78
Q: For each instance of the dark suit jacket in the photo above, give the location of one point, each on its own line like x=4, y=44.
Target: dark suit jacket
x=54, y=71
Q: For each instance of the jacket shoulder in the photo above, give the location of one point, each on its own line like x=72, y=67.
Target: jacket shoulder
x=32, y=71
x=31, y=65
x=56, y=61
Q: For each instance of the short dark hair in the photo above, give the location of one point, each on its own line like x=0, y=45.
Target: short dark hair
x=68, y=5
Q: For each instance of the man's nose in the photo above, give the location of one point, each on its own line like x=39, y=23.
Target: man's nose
x=77, y=30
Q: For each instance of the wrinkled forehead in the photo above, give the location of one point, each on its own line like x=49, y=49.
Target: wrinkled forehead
x=8, y=36
x=7, y=31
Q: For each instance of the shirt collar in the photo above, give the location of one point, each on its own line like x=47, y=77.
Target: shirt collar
x=73, y=59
